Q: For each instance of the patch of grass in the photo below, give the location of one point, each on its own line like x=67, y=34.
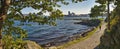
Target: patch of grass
x=101, y=19
x=80, y=39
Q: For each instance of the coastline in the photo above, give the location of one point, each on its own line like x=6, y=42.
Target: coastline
x=71, y=38
x=89, y=34
x=77, y=38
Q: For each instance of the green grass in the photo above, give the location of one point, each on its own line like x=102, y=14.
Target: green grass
x=80, y=39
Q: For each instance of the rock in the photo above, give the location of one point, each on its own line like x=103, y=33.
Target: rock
x=93, y=22
x=32, y=45
x=53, y=47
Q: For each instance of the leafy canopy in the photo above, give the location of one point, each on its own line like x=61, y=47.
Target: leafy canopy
x=97, y=10
x=13, y=34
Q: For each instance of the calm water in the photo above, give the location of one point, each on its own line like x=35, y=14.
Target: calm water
x=43, y=34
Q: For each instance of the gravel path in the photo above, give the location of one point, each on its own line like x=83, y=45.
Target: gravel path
x=90, y=43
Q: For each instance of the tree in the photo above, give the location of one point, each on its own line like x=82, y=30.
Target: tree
x=11, y=12
x=114, y=31
x=117, y=8
x=107, y=3
x=98, y=10
x=108, y=11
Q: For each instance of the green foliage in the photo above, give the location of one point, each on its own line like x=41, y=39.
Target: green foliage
x=101, y=1
x=102, y=6
x=104, y=1
x=110, y=39
x=13, y=34
x=117, y=8
x=97, y=10
x=11, y=43
x=76, y=1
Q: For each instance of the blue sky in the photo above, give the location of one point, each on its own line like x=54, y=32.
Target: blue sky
x=78, y=8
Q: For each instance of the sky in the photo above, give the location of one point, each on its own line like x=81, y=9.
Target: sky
x=78, y=8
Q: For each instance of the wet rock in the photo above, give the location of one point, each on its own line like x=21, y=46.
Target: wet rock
x=94, y=22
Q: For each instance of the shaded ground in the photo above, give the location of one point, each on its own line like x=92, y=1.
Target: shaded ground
x=91, y=42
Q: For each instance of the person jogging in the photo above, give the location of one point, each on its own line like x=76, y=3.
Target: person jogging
x=100, y=27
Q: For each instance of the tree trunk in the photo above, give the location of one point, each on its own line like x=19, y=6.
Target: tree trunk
x=4, y=9
x=108, y=12
x=1, y=23
x=103, y=16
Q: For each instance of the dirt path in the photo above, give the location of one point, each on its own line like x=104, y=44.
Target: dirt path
x=91, y=42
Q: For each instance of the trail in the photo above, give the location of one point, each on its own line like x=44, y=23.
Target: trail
x=91, y=42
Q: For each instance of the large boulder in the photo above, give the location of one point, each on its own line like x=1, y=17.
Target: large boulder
x=32, y=45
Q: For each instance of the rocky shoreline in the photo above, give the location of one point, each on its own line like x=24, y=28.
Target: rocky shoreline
x=60, y=40
x=92, y=23
x=70, y=38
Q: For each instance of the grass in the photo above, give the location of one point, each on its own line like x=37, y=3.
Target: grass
x=80, y=39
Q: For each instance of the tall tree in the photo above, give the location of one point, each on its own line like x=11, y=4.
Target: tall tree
x=108, y=12
x=107, y=3
x=4, y=8
x=10, y=11
x=117, y=8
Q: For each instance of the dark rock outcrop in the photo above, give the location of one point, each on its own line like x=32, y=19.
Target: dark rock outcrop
x=93, y=22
